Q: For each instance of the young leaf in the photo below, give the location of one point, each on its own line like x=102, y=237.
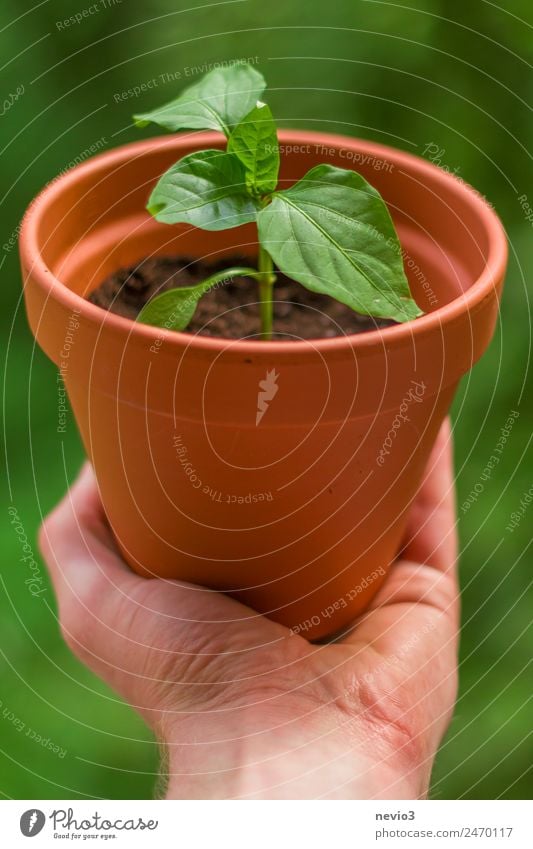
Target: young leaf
x=175, y=308
x=206, y=189
x=332, y=232
x=216, y=102
x=255, y=142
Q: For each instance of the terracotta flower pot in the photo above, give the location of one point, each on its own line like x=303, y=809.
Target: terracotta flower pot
x=299, y=511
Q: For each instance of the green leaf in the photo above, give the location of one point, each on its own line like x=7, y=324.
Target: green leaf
x=216, y=102
x=255, y=142
x=333, y=233
x=175, y=308
x=206, y=189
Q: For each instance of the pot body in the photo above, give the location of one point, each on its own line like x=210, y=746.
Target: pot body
x=279, y=472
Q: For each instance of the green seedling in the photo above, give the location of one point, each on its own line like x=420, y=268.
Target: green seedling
x=331, y=231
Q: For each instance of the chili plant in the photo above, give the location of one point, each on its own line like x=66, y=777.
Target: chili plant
x=331, y=231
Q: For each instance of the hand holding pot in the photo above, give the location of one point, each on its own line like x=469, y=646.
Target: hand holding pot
x=244, y=707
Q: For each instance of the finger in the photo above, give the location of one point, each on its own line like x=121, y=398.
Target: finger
x=141, y=635
x=90, y=578
x=412, y=624
x=426, y=569
x=430, y=536
x=85, y=563
x=77, y=543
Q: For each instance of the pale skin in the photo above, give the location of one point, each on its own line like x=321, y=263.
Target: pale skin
x=242, y=707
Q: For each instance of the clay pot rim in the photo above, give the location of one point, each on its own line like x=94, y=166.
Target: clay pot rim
x=425, y=171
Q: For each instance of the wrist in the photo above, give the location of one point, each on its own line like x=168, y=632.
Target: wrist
x=293, y=760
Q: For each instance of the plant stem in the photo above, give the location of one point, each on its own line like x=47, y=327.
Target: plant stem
x=267, y=279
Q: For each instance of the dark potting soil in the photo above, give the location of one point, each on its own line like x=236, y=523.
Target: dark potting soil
x=231, y=310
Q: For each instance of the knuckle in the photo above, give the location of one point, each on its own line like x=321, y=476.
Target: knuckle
x=45, y=533
x=75, y=631
x=389, y=720
x=79, y=623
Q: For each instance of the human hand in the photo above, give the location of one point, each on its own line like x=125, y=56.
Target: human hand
x=244, y=708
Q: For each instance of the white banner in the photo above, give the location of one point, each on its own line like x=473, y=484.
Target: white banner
x=267, y=824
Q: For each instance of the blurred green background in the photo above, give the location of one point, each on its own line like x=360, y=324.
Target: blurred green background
x=431, y=76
